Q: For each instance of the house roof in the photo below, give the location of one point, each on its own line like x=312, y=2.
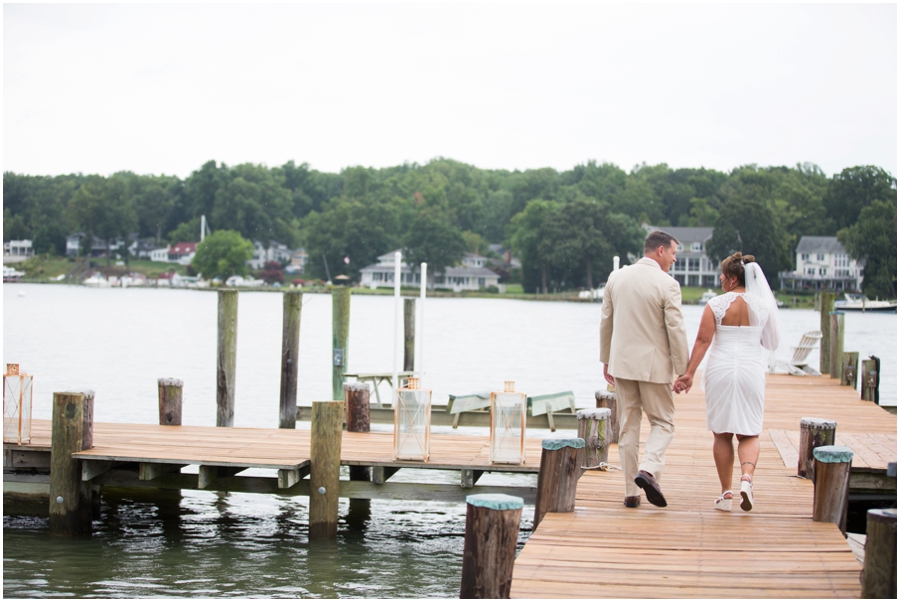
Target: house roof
x=183, y=248
x=685, y=235
x=820, y=244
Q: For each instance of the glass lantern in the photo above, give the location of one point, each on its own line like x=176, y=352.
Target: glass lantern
x=17, y=391
x=412, y=422
x=508, y=425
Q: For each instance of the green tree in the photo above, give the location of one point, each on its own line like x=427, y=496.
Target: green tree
x=433, y=239
x=873, y=239
x=223, y=254
x=749, y=226
x=103, y=209
x=854, y=189
x=529, y=236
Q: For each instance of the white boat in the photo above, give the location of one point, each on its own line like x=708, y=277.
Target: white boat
x=11, y=274
x=96, y=280
x=707, y=297
x=858, y=302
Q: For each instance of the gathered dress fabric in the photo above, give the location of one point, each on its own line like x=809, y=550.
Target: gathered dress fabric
x=734, y=381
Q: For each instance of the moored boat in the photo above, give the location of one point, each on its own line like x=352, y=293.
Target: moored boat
x=857, y=302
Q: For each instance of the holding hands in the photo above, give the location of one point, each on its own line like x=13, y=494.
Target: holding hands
x=683, y=383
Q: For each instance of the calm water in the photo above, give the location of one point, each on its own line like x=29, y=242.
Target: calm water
x=119, y=342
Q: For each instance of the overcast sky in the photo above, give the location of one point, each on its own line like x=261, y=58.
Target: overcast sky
x=164, y=88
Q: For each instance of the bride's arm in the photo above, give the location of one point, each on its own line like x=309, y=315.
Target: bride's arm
x=704, y=338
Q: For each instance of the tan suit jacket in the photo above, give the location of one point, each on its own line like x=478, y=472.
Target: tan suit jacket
x=642, y=334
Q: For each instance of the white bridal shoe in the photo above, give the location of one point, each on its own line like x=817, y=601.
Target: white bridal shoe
x=746, y=494
x=724, y=503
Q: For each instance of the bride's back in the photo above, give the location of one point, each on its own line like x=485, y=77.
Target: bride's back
x=737, y=313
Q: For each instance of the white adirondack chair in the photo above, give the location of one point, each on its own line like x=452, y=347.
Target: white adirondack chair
x=798, y=365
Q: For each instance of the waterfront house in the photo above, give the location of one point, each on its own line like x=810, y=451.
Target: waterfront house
x=160, y=254
x=19, y=249
x=457, y=278
x=692, y=267
x=276, y=251
x=823, y=264
x=297, y=265
x=182, y=253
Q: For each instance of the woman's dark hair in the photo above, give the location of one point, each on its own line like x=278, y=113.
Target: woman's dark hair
x=733, y=265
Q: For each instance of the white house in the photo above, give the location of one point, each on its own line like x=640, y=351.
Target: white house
x=692, y=267
x=182, y=253
x=823, y=264
x=457, y=278
x=276, y=252
x=160, y=254
x=299, y=257
x=18, y=248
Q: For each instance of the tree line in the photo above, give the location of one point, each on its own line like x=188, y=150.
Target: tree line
x=564, y=225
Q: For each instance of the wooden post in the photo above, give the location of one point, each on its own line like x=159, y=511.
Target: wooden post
x=870, y=379
x=561, y=467
x=814, y=432
x=836, y=325
x=340, y=334
x=832, y=485
x=70, y=497
x=489, y=551
x=325, y=468
x=607, y=399
x=170, y=401
x=356, y=402
x=593, y=427
x=409, y=335
x=87, y=433
x=826, y=306
x=290, y=344
x=227, y=357
x=879, y=575
x=850, y=369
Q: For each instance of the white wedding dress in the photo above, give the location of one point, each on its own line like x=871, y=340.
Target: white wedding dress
x=734, y=381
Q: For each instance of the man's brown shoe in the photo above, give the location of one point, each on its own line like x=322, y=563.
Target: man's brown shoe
x=645, y=481
x=632, y=501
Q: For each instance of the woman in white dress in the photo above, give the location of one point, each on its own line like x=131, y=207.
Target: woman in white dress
x=735, y=327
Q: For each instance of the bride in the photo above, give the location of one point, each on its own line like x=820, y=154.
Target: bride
x=734, y=327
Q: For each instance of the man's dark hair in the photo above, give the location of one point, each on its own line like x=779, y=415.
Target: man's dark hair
x=657, y=239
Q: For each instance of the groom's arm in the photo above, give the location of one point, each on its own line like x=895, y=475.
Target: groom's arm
x=678, y=347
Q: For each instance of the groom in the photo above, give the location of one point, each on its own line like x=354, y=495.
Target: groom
x=643, y=345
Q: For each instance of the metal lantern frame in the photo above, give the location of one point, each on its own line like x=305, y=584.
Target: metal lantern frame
x=508, y=423
x=18, y=391
x=412, y=422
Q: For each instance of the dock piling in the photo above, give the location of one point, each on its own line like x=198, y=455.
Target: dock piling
x=489, y=551
x=290, y=344
x=607, y=399
x=70, y=497
x=814, y=432
x=836, y=324
x=227, y=357
x=593, y=427
x=832, y=485
x=356, y=404
x=561, y=467
x=826, y=306
x=870, y=379
x=170, y=401
x=879, y=576
x=340, y=335
x=850, y=369
x=325, y=468
x=409, y=334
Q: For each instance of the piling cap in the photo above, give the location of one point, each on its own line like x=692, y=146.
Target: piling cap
x=357, y=386
x=596, y=413
x=818, y=422
x=170, y=382
x=559, y=443
x=495, y=501
x=833, y=454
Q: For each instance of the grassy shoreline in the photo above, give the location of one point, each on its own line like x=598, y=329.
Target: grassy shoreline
x=41, y=270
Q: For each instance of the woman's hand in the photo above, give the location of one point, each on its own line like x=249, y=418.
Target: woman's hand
x=683, y=383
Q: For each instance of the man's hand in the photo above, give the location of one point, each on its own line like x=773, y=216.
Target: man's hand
x=683, y=383
x=608, y=376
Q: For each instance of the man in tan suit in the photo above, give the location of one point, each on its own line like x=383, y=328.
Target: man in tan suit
x=643, y=345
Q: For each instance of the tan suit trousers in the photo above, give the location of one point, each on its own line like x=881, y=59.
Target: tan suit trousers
x=657, y=400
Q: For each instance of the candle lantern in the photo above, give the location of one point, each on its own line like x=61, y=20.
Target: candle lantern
x=17, y=391
x=412, y=422
x=508, y=425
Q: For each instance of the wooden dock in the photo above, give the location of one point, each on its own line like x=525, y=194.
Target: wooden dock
x=690, y=550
